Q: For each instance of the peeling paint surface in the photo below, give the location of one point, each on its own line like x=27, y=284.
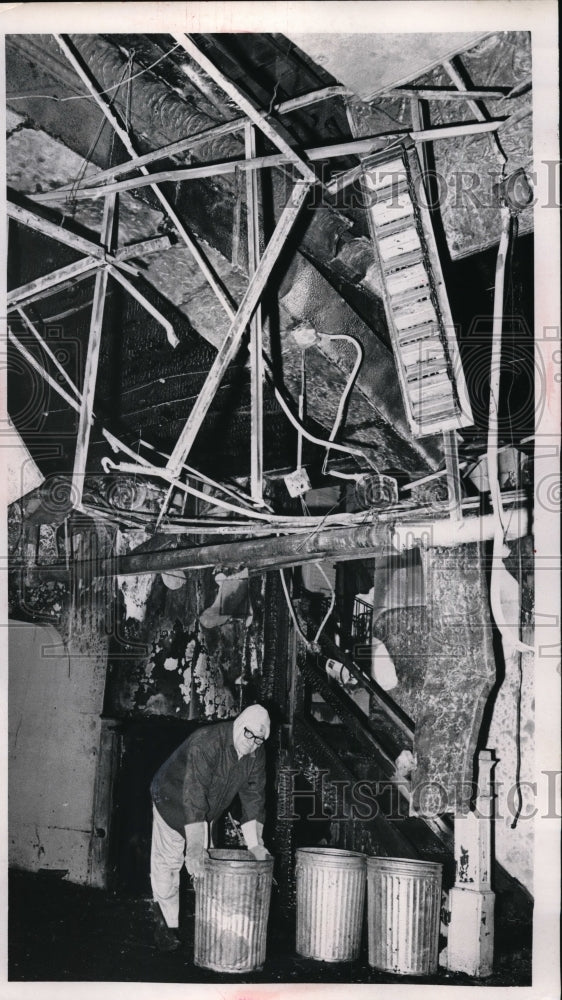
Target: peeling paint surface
x=165, y=662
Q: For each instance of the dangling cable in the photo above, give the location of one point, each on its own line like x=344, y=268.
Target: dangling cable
x=332, y=603
x=343, y=401
x=509, y=639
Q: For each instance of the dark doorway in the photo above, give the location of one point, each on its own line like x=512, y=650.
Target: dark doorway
x=145, y=745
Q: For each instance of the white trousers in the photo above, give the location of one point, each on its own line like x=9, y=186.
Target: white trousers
x=167, y=855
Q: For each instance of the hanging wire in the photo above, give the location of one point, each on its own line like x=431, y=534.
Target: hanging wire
x=88, y=97
x=343, y=400
x=71, y=199
x=332, y=603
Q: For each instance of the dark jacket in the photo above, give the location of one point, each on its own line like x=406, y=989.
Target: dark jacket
x=200, y=779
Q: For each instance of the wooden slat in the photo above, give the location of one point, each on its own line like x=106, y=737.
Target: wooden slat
x=42, y=286
x=111, y=116
x=230, y=345
x=256, y=333
x=254, y=114
x=57, y=232
x=42, y=372
x=92, y=358
x=45, y=347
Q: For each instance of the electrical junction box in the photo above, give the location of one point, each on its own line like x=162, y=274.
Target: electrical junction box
x=297, y=482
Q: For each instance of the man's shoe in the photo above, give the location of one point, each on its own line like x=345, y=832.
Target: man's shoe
x=165, y=938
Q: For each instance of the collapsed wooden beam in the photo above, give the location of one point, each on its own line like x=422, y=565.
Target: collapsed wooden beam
x=479, y=110
x=445, y=94
x=153, y=245
x=114, y=120
x=314, y=97
x=355, y=147
x=55, y=231
x=74, y=403
x=256, y=333
x=92, y=356
x=163, y=153
x=254, y=114
x=231, y=343
x=41, y=286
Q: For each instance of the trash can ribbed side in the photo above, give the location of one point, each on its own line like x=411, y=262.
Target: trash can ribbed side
x=404, y=904
x=330, y=903
x=231, y=912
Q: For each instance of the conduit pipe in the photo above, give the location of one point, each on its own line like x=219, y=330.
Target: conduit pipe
x=336, y=544
x=510, y=637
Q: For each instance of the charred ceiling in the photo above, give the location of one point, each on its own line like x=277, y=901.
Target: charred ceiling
x=152, y=270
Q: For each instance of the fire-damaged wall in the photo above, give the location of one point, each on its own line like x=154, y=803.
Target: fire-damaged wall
x=186, y=646
x=462, y=705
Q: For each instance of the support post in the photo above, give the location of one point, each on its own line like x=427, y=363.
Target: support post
x=470, y=946
x=92, y=357
x=256, y=340
x=230, y=344
x=451, y=450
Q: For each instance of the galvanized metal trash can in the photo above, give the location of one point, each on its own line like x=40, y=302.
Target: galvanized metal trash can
x=232, y=900
x=330, y=903
x=404, y=904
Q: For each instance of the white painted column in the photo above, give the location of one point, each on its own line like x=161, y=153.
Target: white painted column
x=470, y=946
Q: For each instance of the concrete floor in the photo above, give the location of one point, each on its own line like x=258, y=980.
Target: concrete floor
x=59, y=931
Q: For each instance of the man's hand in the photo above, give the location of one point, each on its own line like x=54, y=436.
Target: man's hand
x=195, y=843
x=260, y=852
x=195, y=862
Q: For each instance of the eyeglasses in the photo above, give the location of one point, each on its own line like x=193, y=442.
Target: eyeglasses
x=258, y=740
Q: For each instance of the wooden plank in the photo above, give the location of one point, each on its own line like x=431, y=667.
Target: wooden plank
x=92, y=358
x=136, y=162
x=57, y=232
x=306, y=100
x=42, y=372
x=144, y=247
x=462, y=89
x=480, y=112
x=451, y=451
x=173, y=340
x=112, y=117
x=355, y=147
x=45, y=347
x=102, y=813
x=41, y=286
x=443, y=94
x=256, y=332
x=256, y=116
x=230, y=345
x=172, y=175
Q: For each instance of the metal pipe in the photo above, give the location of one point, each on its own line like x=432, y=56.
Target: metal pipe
x=338, y=544
x=447, y=533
